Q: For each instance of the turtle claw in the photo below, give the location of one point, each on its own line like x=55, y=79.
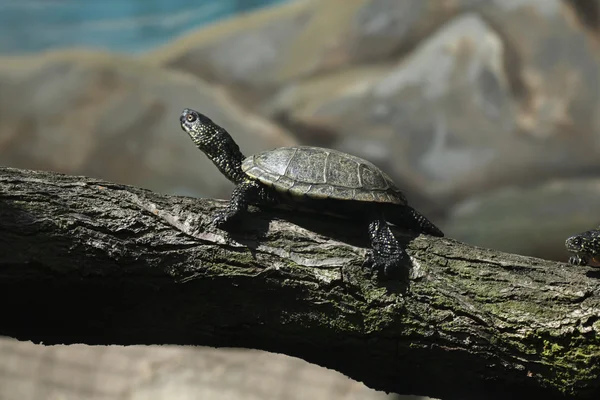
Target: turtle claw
x=577, y=260
x=388, y=267
x=221, y=219
x=369, y=263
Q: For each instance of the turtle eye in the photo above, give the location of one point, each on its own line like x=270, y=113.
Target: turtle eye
x=191, y=117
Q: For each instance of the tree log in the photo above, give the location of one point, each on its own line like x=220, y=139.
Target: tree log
x=88, y=261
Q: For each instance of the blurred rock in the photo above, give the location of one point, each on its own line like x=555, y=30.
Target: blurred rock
x=505, y=93
x=79, y=372
x=245, y=50
x=271, y=47
x=532, y=221
x=116, y=118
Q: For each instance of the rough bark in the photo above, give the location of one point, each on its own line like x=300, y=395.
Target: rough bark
x=87, y=261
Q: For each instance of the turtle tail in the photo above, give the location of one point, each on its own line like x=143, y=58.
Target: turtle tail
x=408, y=217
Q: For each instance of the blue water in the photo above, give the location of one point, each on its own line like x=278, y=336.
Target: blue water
x=119, y=25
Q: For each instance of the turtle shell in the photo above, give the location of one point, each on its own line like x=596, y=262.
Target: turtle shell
x=320, y=173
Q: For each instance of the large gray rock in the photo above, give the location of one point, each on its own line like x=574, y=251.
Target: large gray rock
x=245, y=50
x=117, y=118
x=79, y=372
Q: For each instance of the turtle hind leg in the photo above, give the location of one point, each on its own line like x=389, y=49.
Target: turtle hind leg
x=408, y=217
x=387, y=257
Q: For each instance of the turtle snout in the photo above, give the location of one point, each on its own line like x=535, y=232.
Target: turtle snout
x=182, y=118
x=187, y=117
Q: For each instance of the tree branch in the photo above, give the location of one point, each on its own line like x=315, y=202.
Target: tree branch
x=83, y=260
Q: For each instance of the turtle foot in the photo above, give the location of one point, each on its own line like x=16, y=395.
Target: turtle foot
x=386, y=267
x=222, y=219
x=577, y=260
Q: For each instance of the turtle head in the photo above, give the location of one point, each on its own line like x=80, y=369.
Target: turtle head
x=585, y=242
x=585, y=245
x=574, y=244
x=201, y=129
x=215, y=142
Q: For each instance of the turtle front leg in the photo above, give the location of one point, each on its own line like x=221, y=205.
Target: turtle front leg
x=246, y=193
x=578, y=260
x=387, y=256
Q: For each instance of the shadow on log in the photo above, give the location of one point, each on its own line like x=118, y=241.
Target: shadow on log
x=87, y=261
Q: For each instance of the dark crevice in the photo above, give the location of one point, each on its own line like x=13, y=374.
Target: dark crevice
x=588, y=13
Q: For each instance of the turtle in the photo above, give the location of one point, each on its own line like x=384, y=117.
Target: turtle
x=586, y=248
x=306, y=178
